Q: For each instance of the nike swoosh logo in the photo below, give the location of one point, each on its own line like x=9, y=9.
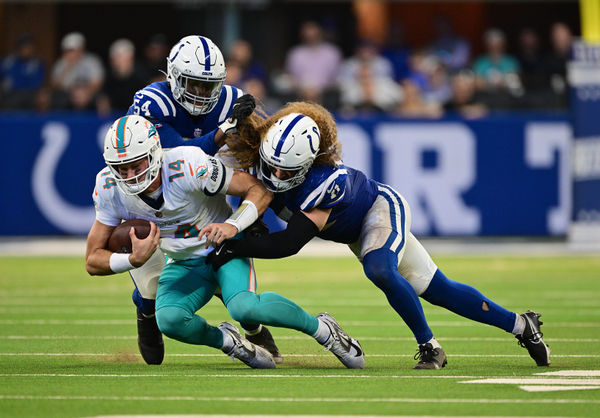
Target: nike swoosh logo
x=357, y=347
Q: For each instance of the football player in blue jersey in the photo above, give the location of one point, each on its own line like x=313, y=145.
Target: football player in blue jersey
x=298, y=158
x=192, y=107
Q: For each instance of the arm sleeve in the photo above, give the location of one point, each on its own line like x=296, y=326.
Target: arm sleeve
x=300, y=230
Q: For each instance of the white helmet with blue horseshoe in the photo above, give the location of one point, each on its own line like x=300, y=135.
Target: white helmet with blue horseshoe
x=196, y=72
x=291, y=145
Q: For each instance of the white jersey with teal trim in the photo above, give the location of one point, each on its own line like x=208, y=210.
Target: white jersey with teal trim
x=193, y=187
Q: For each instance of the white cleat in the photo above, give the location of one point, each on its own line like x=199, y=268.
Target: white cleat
x=344, y=347
x=250, y=354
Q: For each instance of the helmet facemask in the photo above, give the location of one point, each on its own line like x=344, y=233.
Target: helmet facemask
x=131, y=139
x=140, y=182
x=196, y=72
x=290, y=145
x=294, y=175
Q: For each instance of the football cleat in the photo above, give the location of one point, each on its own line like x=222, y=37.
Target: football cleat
x=243, y=350
x=429, y=357
x=531, y=339
x=345, y=348
x=150, y=340
x=265, y=340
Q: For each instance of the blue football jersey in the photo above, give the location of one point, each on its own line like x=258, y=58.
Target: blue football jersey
x=347, y=191
x=174, y=124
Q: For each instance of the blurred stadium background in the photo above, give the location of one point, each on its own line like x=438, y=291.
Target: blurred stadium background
x=510, y=151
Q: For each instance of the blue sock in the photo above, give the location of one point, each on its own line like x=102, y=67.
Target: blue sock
x=467, y=301
x=381, y=267
x=147, y=306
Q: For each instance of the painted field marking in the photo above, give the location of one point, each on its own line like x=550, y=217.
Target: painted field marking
x=535, y=381
x=235, y=376
x=579, y=373
x=554, y=388
x=301, y=355
x=287, y=337
x=283, y=400
x=549, y=384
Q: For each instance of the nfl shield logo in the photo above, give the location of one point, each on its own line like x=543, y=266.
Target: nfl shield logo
x=197, y=132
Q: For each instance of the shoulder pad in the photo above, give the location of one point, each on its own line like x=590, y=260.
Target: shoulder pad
x=153, y=103
x=229, y=95
x=328, y=187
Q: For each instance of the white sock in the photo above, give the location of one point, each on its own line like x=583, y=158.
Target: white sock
x=323, y=332
x=434, y=343
x=256, y=331
x=519, y=325
x=227, y=342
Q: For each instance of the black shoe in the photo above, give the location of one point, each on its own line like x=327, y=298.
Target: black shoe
x=265, y=340
x=150, y=341
x=531, y=339
x=429, y=357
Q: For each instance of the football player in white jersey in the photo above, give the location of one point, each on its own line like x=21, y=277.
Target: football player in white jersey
x=180, y=191
x=192, y=107
x=298, y=153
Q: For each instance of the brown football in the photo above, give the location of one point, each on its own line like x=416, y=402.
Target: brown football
x=119, y=241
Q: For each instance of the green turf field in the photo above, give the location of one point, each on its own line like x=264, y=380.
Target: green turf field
x=68, y=346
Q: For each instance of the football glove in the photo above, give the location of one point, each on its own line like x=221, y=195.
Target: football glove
x=221, y=255
x=242, y=108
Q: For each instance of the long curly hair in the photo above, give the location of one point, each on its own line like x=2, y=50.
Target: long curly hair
x=245, y=144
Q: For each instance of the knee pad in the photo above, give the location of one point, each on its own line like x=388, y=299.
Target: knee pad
x=242, y=306
x=172, y=321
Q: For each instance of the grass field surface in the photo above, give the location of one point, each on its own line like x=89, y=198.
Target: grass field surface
x=68, y=346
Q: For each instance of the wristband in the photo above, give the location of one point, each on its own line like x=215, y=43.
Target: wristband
x=119, y=263
x=244, y=216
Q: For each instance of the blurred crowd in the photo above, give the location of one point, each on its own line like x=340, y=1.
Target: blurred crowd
x=440, y=78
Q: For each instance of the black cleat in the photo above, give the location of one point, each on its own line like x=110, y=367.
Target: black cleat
x=265, y=340
x=429, y=357
x=150, y=341
x=531, y=339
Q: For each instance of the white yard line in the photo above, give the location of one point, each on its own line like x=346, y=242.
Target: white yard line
x=235, y=376
x=289, y=337
x=293, y=355
x=303, y=400
x=481, y=379
x=465, y=323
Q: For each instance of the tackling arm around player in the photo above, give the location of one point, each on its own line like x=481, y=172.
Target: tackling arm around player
x=297, y=154
x=181, y=191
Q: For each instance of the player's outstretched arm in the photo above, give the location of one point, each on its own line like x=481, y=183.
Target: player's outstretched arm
x=301, y=228
x=100, y=262
x=256, y=201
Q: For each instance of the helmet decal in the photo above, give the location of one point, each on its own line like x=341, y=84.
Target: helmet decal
x=120, y=137
x=285, y=134
x=206, y=53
